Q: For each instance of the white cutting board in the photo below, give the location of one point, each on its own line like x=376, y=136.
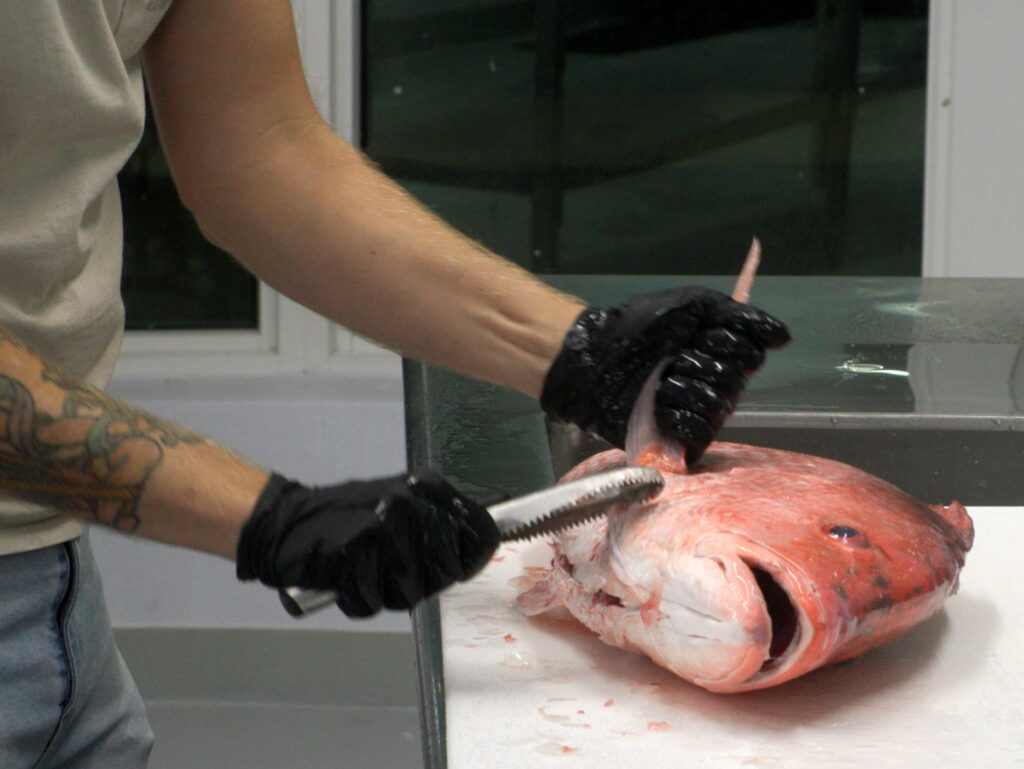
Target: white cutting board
x=542, y=692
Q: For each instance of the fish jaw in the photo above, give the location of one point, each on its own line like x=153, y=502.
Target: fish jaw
x=703, y=616
x=803, y=625
x=731, y=615
x=708, y=623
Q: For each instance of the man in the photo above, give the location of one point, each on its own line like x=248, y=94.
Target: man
x=269, y=182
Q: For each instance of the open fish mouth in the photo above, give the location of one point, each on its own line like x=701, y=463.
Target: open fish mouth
x=768, y=599
x=785, y=619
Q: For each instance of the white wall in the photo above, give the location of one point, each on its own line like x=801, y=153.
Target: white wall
x=974, y=167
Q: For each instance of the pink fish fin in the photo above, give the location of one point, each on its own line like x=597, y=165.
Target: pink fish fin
x=957, y=516
x=645, y=445
x=745, y=281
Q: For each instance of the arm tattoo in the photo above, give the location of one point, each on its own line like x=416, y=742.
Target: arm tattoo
x=93, y=457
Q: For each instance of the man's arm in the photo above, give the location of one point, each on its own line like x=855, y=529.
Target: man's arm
x=269, y=182
x=64, y=443
x=384, y=543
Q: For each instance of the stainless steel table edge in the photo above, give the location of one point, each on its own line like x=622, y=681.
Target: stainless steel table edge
x=426, y=617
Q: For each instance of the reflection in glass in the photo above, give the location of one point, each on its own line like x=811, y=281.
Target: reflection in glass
x=616, y=136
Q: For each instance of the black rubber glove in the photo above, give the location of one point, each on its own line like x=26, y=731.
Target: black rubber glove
x=713, y=344
x=384, y=543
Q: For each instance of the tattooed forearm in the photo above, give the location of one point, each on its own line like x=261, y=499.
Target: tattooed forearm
x=91, y=455
x=87, y=455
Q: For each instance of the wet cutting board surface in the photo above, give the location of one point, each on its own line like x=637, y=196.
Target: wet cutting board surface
x=546, y=692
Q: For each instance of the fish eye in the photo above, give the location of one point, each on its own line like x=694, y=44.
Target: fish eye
x=846, y=534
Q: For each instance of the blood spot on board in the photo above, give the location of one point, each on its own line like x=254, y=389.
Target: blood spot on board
x=555, y=749
x=657, y=726
x=509, y=638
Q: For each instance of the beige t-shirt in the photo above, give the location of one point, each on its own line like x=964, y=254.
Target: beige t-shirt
x=71, y=113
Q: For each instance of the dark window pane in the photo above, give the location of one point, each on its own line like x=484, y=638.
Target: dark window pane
x=658, y=136
x=173, y=277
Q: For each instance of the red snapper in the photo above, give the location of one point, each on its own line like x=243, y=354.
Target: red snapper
x=756, y=566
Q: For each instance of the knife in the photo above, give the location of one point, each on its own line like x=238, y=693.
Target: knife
x=542, y=512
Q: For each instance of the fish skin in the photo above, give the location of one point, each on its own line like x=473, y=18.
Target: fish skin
x=676, y=578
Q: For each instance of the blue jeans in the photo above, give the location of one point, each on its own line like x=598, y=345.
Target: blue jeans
x=66, y=698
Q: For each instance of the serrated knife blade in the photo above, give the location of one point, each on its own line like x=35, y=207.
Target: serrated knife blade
x=559, y=507
x=543, y=512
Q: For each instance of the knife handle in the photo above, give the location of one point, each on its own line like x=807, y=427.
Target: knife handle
x=299, y=601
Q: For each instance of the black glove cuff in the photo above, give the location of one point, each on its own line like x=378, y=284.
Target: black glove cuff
x=261, y=532
x=567, y=394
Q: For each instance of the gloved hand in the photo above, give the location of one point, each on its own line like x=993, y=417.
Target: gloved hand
x=381, y=543
x=712, y=342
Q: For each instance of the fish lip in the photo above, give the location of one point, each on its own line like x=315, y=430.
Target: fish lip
x=794, y=583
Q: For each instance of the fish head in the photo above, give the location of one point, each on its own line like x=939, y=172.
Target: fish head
x=795, y=569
